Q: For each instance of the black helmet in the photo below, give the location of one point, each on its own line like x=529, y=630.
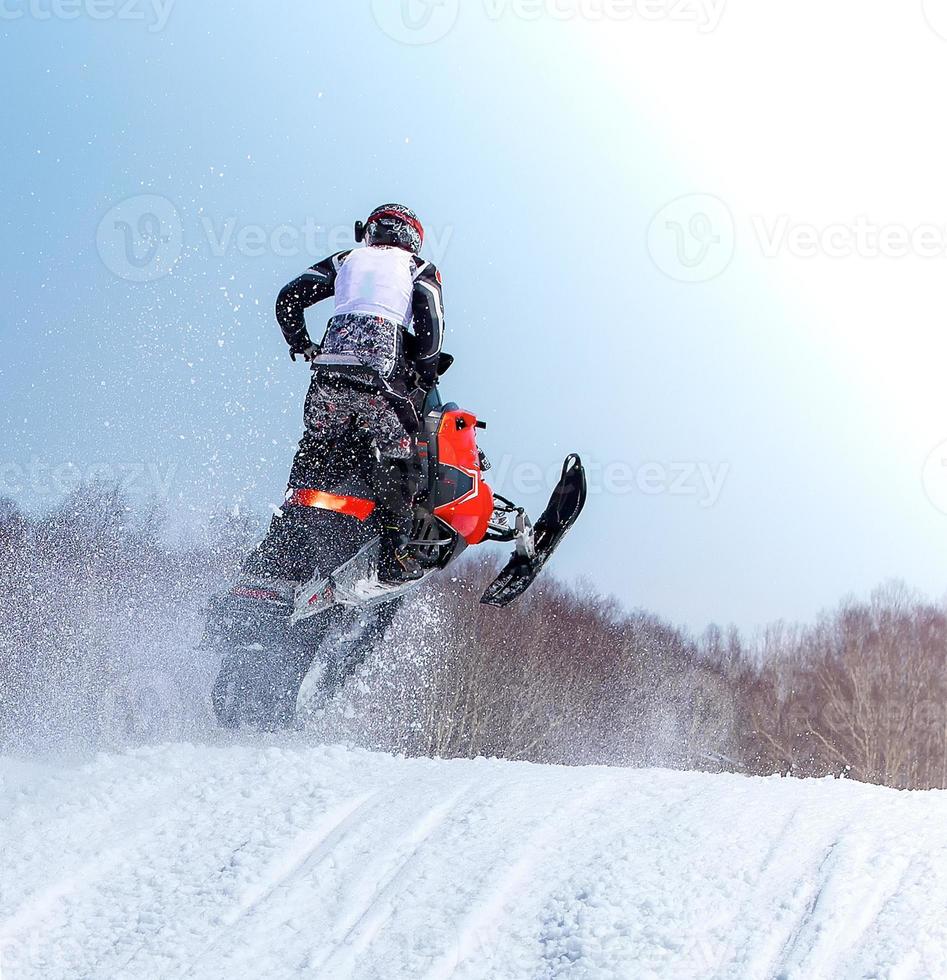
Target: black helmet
x=392, y=224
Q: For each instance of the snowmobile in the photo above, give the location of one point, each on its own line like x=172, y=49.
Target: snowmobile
x=309, y=603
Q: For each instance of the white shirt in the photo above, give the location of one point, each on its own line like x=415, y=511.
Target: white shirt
x=377, y=280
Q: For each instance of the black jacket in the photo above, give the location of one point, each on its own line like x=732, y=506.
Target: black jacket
x=318, y=283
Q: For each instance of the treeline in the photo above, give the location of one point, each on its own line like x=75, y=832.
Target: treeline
x=863, y=694
x=570, y=677
x=562, y=676
x=100, y=622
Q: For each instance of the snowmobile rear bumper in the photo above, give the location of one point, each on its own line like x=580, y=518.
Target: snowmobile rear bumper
x=245, y=617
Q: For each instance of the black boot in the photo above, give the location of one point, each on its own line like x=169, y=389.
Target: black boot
x=396, y=563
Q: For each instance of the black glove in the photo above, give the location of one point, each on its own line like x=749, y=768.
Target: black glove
x=308, y=353
x=426, y=378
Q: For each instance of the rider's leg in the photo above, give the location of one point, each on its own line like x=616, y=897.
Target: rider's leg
x=284, y=552
x=395, y=486
x=395, y=482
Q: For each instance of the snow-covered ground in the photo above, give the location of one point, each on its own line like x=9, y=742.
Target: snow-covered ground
x=278, y=859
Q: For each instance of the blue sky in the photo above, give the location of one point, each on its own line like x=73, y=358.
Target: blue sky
x=760, y=437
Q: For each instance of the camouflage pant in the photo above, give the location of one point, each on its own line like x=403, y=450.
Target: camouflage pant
x=336, y=416
x=375, y=341
x=332, y=412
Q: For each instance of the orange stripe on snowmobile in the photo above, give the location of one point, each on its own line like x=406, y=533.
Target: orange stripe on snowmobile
x=353, y=506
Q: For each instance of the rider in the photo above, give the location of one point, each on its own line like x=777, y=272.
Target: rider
x=367, y=366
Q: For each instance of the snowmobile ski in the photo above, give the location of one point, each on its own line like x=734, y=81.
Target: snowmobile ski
x=535, y=545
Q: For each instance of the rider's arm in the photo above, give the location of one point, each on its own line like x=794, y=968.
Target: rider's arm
x=313, y=286
x=428, y=309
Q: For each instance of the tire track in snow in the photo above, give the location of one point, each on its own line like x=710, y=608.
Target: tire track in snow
x=864, y=915
x=305, y=851
x=813, y=896
x=364, y=918
x=128, y=875
x=924, y=954
x=821, y=907
x=770, y=963
x=759, y=963
x=598, y=896
x=490, y=907
x=829, y=921
x=34, y=911
x=502, y=885
x=830, y=930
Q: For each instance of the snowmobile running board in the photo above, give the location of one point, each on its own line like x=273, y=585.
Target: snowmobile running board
x=535, y=546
